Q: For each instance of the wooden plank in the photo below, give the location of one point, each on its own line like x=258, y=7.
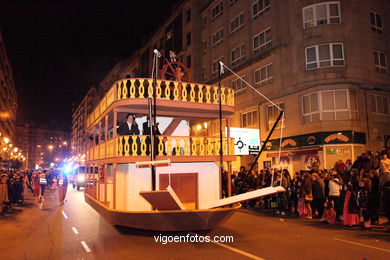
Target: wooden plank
x=163, y=199
x=245, y=196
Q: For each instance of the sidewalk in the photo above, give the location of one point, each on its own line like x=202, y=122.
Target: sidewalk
x=28, y=206
x=272, y=214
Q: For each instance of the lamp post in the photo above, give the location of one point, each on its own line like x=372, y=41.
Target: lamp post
x=50, y=147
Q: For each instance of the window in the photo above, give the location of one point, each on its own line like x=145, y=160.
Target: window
x=205, y=74
x=337, y=104
x=262, y=41
x=324, y=55
x=188, y=16
x=272, y=115
x=237, y=23
x=237, y=55
x=263, y=75
x=321, y=13
x=189, y=61
x=204, y=47
x=380, y=61
x=217, y=11
x=217, y=37
x=380, y=105
x=238, y=86
x=259, y=8
x=376, y=22
x=231, y=2
x=249, y=119
x=188, y=38
x=215, y=67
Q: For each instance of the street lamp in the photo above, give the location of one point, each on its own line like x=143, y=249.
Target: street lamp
x=51, y=150
x=6, y=140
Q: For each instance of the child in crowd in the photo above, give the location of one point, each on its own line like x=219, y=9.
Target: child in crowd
x=329, y=215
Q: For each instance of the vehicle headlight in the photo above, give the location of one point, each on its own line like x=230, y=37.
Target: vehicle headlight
x=80, y=178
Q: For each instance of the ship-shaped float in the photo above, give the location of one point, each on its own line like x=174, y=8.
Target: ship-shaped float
x=169, y=181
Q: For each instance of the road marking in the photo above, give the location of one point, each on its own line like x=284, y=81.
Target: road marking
x=75, y=230
x=238, y=251
x=86, y=247
x=373, y=247
x=64, y=214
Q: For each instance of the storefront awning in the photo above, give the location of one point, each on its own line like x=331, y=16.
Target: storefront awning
x=293, y=152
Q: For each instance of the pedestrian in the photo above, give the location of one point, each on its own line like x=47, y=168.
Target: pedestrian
x=36, y=187
x=374, y=197
x=318, y=194
x=62, y=187
x=307, y=187
x=4, y=199
x=335, y=186
x=351, y=208
x=363, y=200
x=329, y=215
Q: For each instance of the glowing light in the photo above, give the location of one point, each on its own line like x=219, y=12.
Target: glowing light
x=56, y=159
x=65, y=143
x=5, y=149
x=205, y=125
x=68, y=168
x=16, y=149
x=80, y=178
x=50, y=147
x=198, y=127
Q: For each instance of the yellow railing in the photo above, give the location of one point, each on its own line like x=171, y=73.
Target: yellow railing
x=166, y=146
x=165, y=89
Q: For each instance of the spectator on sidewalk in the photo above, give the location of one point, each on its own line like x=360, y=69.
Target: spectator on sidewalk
x=318, y=194
x=351, y=208
x=363, y=199
x=335, y=186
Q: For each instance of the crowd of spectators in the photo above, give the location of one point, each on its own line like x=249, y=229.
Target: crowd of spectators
x=344, y=194
x=13, y=183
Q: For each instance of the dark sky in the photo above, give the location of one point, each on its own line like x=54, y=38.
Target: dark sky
x=58, y=49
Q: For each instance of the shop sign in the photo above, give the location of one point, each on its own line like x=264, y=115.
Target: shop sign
x=289, y=143
x=336, y=137
x=246, y=141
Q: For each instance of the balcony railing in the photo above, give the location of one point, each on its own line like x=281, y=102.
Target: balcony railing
x=172, y=146
x=165, y=89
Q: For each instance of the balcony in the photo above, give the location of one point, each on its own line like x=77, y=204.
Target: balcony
x=173, y=99
x=127, y=149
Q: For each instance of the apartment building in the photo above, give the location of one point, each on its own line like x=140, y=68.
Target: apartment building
x=8, y=99
x=79, y=119
x=42, y=146
x=325, y=63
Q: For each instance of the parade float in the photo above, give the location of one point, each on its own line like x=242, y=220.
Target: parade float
x=163, y=179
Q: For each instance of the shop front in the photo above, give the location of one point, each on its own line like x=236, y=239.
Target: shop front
x=320, y=150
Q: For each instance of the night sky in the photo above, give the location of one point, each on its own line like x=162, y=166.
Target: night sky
x=59, y=49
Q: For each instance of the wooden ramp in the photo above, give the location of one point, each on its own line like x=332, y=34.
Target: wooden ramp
x=243, y=197
x=163, y=199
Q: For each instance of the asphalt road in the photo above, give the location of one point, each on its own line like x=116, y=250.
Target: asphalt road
x=76, y=231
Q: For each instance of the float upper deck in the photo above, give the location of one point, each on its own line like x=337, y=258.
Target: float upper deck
x=173, y=99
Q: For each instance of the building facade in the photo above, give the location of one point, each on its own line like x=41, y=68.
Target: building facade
x=325, y=63
x=42, y=146
x=8, y=98
x=79, y=119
